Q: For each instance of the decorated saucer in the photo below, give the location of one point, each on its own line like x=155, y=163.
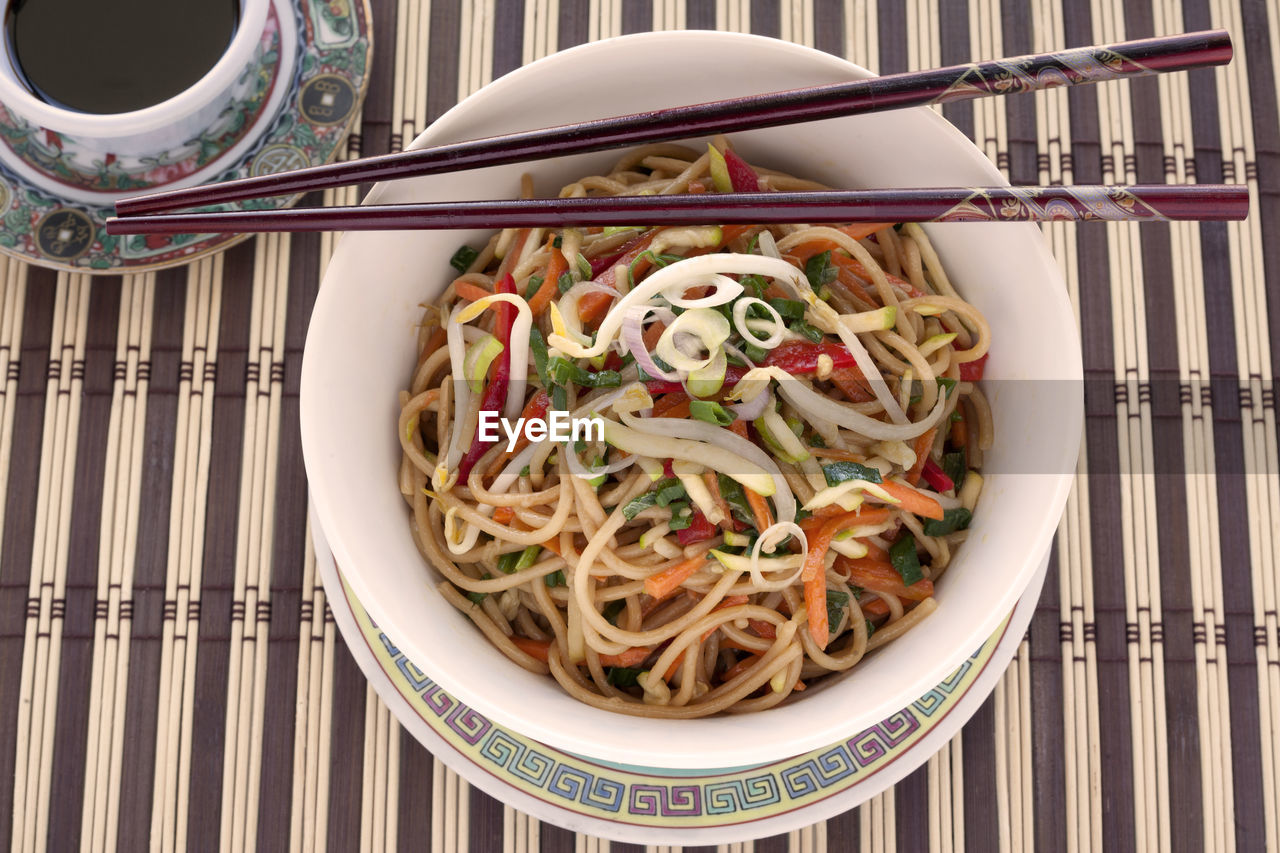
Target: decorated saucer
x=292, y=109
x=652, y=805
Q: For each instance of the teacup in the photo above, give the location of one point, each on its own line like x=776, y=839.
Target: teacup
x=99, y=157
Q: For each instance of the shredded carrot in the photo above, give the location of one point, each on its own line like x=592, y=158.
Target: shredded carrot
x=875, y=552
x=673, y=405
x=533, y=648
x=740, y=667
x=852, y=384
x=651, y=334
x=799, y=686
x=438, y=339
x=763, y=628
x=739, y=428
x=814, y=573
x=876, y=609
x=858, y=230
x=853, y=266
x=470, y=292
x=805, y=251
x=667, y=581
x=504, y=514
x=556, y=266
x=922, y=445
x=759, y=508
x=862, y=516
x=880, y=576
x=713, y=486
x=729, y=233
x=911, y=500
x=631, y=657
x=959, y=433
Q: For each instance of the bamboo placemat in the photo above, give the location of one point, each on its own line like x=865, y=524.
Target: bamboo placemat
x=170, y=675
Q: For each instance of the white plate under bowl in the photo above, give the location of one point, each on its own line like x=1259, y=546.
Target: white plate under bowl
x=647, y=805
x=361, y=349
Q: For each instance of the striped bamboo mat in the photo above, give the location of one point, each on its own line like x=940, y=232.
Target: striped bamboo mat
x=169, y=675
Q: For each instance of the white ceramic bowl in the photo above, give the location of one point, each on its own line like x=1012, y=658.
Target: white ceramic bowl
x=361, y=349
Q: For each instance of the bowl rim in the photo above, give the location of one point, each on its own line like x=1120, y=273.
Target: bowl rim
x=928, y=673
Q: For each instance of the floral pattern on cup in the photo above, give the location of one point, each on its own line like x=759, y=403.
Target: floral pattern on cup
x=39, y=227
x=72, y=162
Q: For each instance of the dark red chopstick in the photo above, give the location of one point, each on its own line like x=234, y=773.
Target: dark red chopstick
x=1158, y=202
x=997, y=77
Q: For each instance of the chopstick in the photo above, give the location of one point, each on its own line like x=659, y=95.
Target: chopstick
x=1157, y=202
x=896, y=91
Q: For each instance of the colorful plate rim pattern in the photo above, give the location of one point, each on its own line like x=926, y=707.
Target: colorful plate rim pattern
x=331, y=67
x=655, y=805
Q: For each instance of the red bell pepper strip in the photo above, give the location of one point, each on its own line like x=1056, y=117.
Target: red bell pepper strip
x=699, y=530
x=743, y=178
x=971, y=371
x=802, y=356
x=495, y=393
x=936, y=477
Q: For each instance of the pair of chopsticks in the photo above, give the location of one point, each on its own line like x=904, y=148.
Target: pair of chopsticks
x=149, y=214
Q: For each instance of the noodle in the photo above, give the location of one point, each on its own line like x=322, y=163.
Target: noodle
x=776, y=512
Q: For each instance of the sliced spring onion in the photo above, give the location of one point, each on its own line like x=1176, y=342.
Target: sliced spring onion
x=819, y=270
x=780, y=432
x=691, y=478
x=872, y=321
x=708, y=380
x=563, y=371
x=719, y=170
x=740, y=308
x=935, y=343
x=464, y=258
x=711, y=412
x=475, y=364
x=688, y=237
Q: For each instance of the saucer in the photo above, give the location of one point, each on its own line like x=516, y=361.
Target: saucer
x=313, y=80
x=654, y=805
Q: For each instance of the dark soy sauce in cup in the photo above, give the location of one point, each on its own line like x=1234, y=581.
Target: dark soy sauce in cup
x=113, y=57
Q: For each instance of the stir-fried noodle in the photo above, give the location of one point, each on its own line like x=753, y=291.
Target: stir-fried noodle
x=778, y=444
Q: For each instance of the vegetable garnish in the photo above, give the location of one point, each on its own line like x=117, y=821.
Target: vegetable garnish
x=780, y=442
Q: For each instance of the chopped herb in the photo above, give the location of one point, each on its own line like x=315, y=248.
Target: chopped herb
x=524, y=472
x=754, y=285
x=681, y=516
x=535, y=282
x=564, y=282
x=819, y=270
x=952, y=520
x=755, y=353
x=956, y=417
x=463, y=258
x=477, y=598
x=955, y=467
x=802, y=514
x=623, y=676
x=904, y=559
x=539, y=346
x=612, y=610
x=555, y=579
x=898, y=227
x=842, y=472
x=837, y=606
x=871, y=628
x=516, y=561
x=817, y=440
x=711, y=412
x=948, y=383
x=668, y=490
x=557, y=242
x=662, y=494
x=731, y=491
x=813, y=334
x=788, y=309
x=564, y=371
